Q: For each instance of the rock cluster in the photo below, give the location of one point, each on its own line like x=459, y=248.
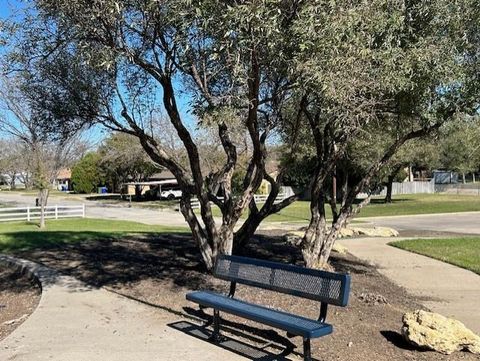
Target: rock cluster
x=435, y=332
x=295, y=237
x=368, y=231
x=372, y=298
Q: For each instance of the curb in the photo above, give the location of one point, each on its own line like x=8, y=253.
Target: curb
x=43, y=276
x=35, y=272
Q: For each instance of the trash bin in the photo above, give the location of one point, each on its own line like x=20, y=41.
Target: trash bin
x=102, y=190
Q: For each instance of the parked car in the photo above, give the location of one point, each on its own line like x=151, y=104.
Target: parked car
x=170, y=193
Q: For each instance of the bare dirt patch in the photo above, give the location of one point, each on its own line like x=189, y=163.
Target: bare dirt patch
x=159, y=271
x=19, y=296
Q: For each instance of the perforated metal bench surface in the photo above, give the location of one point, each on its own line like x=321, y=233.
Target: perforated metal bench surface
x=294, y=324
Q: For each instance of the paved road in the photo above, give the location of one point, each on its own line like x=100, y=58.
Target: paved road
x=99, y=210
x=468, y=222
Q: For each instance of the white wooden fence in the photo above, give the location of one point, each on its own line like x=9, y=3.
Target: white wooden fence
x=262, y=198
x=259, y=198
x=411, y=188
x=31, y=213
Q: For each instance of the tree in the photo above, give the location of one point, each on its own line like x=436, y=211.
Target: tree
x=9, y=161
x=377, y=68
x=86, y=174
x=127, y=54
x=322, y=71
x=459, y=146
x=123, y=159
x=36, y=158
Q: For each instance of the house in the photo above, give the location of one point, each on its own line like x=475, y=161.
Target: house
x=63, y=180
x=153, y=185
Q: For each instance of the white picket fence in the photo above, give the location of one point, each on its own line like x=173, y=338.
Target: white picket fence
x=259, y=198
x=32, y=213
x=262, y=198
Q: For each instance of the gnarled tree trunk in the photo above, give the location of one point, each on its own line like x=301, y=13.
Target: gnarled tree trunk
x=42, y=201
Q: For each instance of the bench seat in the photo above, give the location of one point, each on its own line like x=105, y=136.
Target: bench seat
x=294, y=324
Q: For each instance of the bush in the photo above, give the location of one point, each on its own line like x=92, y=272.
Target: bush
x=86, y=175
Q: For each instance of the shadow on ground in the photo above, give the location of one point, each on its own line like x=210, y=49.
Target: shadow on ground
x=233, y=345
x=398, y=340
x=159, y=269
x=174, y=258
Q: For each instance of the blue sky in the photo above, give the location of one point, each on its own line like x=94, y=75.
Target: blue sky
x=6, y=7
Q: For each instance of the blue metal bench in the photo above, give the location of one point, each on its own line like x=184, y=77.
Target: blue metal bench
x=325, y=287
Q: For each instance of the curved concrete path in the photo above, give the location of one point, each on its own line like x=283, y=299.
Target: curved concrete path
x=74, y=322
x=443, y=288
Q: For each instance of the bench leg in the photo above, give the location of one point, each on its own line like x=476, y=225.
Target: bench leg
x=307, y=352
x=216, y=336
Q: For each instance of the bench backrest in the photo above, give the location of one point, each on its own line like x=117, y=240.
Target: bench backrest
x=326, y=287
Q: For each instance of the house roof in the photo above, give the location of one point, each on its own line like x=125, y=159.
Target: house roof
x=65, y=173
x=164, y=174
x=152, y=183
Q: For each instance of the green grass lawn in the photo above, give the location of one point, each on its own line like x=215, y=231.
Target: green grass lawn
x=462, y=252
x=22, y=236
x=402, y=205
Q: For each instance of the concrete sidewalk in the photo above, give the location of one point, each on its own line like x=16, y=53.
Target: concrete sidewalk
x=77, y=323
x=444, y=288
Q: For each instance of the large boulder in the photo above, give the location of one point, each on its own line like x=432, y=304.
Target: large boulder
x=435, y=332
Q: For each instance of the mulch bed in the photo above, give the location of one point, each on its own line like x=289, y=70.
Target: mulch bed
x=19, y=296
x=160, y=270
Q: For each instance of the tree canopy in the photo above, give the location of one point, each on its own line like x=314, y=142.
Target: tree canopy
x=307, y=72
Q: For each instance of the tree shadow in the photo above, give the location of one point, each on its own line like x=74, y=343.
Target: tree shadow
x=109, y=261
x=382, y=200
x=31, y=240
x=104, y=197
x=173, y=259
x=15, y=281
